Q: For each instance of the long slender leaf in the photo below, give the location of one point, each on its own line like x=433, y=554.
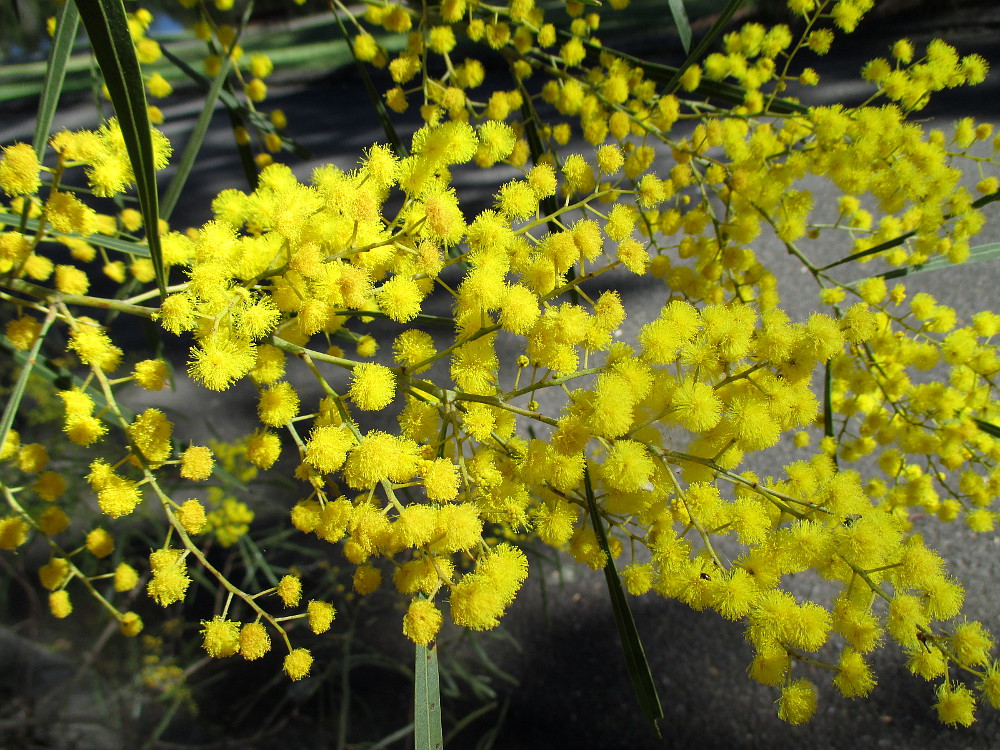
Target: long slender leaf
x=978, y=254
x=635, y=656
x=427, y=731
x=14, y=400
x=721, y=22
x=376, y=99
x=681, y=22
x=110, y=243
x=107, y=28
x=988, y=427
x=67, y=26
x=197, y=136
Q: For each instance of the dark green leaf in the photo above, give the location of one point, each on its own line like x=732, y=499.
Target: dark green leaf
x=67, y=25
x=988, y=427
x=694, y=56
x=427, y=732
x=197, y=136
x=979, y=254
x=681, y=22
x=110, y=243
x=373, y=95
x=635, y=656
x=107, y=28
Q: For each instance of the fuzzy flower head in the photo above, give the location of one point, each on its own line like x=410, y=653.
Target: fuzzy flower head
x=19, y=170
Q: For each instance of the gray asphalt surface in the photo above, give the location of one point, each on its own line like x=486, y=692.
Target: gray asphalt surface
x=574, y=689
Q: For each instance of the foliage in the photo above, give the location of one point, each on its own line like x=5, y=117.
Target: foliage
x=624, y=168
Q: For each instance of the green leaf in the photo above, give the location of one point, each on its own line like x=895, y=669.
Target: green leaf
x=978, y=254
x=376, y=99
x=988, y=427
x=107, y=28
x=635, y=656
x=427, y=732
x=681, y=22
x=27, y=364
x=67, y=26
x=197, y=136
x=721, y=23
x=110, y=243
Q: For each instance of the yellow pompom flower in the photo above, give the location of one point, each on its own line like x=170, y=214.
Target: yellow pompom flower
x=320, y=615
x=373, y=386
x=441, y=480
x=59, y=604
x=971, y=644
x=263, y=449
x=23, y=332
x=100, y=543
x=13, y=532
x=638, y=578
x=170, y=580
x=93, y=347
x=327, y=448
x=71, y=280
x=367, y=579
x=422, y=621
x=290, y=590
x=854, y=678
x=628, y=466
x=197, y=462
x=798, y=702
x=299, y=661
x=125, y=577
x=220, y=361
x=254, y=641
x=955, y=704
x=52, y=521
x=151, y=374
x=696, y=406
x=278, y=405
x=380, y=456
x=19, y=170
x=130, y=624
x=150, y=433
x=191, y=516
x=220, y=637
x=480, y=598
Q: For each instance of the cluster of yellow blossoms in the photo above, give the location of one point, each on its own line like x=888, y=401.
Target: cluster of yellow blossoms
x=655, y=439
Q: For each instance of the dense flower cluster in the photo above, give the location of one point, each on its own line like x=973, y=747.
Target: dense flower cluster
x=655, y=439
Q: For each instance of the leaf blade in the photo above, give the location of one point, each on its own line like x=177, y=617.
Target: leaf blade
x=111, y=42
x=681, y=22
x=55, y=74
x=427, y=731
x=635, y=655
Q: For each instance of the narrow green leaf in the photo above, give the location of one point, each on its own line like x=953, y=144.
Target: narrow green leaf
x=988, y=427
x=197, y=136
x=427, y=731
x=721, y=23
x=27, y=365
x=828, y=401
x=681, y=22
x=67, y=25
x=107, y=28
x=635, y=656
x=110, y=243
x=978, y=254
x=376, y=99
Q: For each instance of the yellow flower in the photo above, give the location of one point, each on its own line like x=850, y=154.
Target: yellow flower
x=19, y=170
x=254, y=641
x=290, y=590
x=422, y=621
x=299, y=661
x=220, y=637
x=373, y=386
